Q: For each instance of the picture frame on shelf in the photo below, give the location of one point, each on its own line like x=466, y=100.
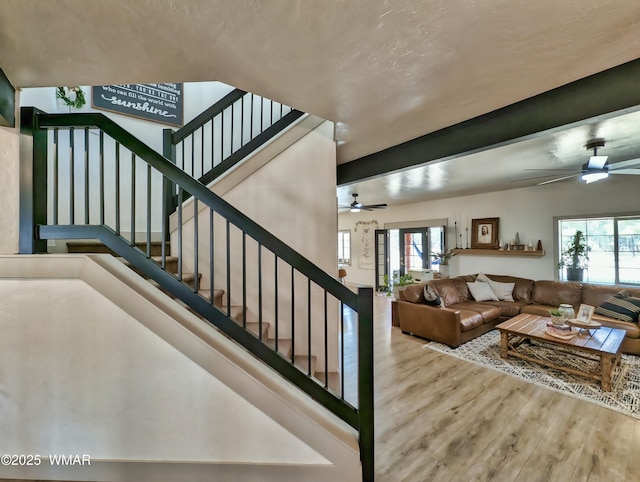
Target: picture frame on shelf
x=484, y=233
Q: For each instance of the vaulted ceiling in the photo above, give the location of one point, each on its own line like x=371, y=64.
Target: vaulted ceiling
x=385, y=72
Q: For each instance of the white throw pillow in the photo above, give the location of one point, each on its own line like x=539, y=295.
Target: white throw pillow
x=504, y=291
x=482, y=291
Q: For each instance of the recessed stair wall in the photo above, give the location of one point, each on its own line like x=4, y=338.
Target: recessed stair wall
x=133, y=378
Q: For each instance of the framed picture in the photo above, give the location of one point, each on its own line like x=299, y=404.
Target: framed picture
x=585, y=313
x=484, y=233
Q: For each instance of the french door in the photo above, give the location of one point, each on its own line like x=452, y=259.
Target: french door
x=413, y=245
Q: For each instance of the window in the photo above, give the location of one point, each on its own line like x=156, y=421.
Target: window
x=614, y=242
x=344, y=247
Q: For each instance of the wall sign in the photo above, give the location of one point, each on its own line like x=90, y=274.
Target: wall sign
x=155, y=102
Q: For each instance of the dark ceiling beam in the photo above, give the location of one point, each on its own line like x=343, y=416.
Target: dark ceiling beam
x=599, y=96
x=7, y=102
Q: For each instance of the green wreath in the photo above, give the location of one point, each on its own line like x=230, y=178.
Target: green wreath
x=68, y=97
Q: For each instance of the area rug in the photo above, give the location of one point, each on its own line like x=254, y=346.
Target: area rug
x=624, y=396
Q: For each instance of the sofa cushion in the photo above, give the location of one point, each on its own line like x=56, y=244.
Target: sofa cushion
x=540, y=310
x=504, y=291
x=595, y=295
x=470, y=320
x=508, y=309
x=488, y=312
x=447, y=291
x=523, y=287
x=430, y=296
x=482, y=291
x=412, y=293
x=621, y=306
x=554, y=293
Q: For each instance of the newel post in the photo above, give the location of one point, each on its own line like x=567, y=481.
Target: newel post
x=365, y=381
x=33, y=181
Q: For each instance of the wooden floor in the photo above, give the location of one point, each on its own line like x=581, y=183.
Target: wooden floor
x=443, y=419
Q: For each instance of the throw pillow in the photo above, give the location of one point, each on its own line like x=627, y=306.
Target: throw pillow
x=431, y=297
x=504, y=291
x=482, y=291
x=621, y=306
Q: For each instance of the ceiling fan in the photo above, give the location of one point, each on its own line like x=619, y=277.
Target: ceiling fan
x=356, y=207
x=595, y=169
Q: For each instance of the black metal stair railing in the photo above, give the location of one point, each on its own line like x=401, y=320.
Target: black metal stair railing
x=89, y=178
x=226, y=133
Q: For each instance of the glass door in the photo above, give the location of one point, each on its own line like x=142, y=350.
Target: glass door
x=382, y=257
x=414, y=249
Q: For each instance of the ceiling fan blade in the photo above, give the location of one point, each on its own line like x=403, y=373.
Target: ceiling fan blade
x=558, y=179
x=623, y=164
x=635, y=172
x=375, y=206
x=553, y=169
x=531, y=178
x=597, y=162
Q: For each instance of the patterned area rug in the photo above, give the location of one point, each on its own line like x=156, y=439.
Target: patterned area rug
x=624, y=396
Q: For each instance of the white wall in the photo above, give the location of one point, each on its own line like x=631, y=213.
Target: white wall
x=528, y=211
x=9, y=190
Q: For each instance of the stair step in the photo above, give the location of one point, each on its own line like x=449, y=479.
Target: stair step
x=302, y=363
x=187, y=278
x=217, y=296
x=171, y=263
x=334, y=380
x=95, y=246
x=284, y=346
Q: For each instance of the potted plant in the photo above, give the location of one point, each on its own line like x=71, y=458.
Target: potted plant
x=574, y=257
x=442, y=259
x=397, y=282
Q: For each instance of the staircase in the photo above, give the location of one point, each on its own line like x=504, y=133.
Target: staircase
x=236, y=312
x=225, y=267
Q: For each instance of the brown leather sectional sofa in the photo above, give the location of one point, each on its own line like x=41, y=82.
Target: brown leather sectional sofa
x=462, y=318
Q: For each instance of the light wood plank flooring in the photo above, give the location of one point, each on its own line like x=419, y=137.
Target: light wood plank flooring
x=443, y=419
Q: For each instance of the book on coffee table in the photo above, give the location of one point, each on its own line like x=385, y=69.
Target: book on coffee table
x=560, y=333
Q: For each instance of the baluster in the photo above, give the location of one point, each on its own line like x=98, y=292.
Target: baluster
x=326, y=341
x=86, y=175
x=72, y=180
x=213, y=163
x=251, y=119
x=165, y=227
x=193, y=153
x=309, y=324
x=242, y=121
x=244, y=280
x=149, y=211
x=342, y=350
x=201, y=151
x=101, y=161
x=228, y=271
x=275, y=285
x=232, y=126
x=179, y=233
x=117, y=167
x=196, y=286
x=56, y=156
x=260, y=290
x=133, y=199
x=293, y=316
x=211, y=254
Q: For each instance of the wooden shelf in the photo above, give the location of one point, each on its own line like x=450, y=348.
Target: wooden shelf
x=497, y=252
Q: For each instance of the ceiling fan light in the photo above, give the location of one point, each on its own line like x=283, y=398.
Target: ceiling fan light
x=597, y=162
x=590, y=177
x=354, y=210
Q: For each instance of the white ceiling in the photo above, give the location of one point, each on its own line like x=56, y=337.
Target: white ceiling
x=384, y=71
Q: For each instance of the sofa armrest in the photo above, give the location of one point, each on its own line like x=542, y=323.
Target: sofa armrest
x=431, y=322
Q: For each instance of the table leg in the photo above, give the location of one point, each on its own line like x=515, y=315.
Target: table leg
x=504, y=345
x=606, y=366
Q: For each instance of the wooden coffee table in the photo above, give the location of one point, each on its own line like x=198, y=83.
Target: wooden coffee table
x=602, y=345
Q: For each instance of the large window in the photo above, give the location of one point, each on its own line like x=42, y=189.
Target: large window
x=344, y=247
x=614, y=242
